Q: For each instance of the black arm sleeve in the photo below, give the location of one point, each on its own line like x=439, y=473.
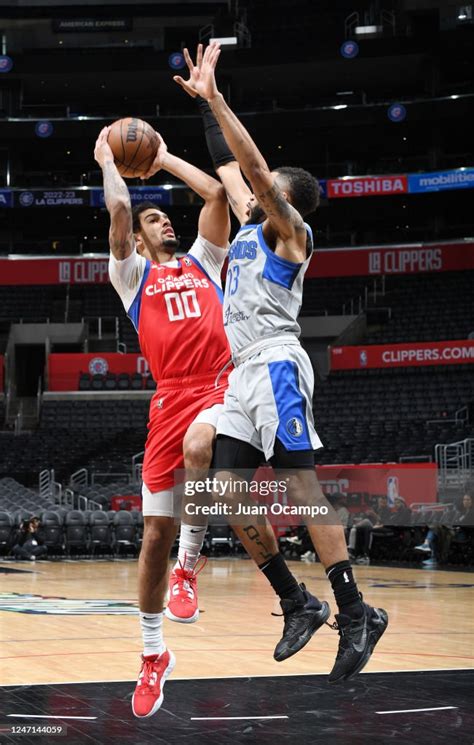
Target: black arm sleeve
x=216, y=144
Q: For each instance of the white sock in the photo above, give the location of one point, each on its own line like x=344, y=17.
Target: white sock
x=152, y=633
x=191, y=539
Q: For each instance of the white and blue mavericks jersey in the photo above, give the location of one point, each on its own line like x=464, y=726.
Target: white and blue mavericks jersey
x=263, y=292
x=271, y=387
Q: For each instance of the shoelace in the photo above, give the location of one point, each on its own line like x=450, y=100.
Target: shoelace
x=184, y=583
x=148, y=676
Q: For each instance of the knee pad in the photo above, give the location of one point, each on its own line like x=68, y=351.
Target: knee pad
x=232, y=454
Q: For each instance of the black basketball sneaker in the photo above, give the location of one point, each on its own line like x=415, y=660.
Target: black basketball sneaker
x=301, y=622
x=357, y=639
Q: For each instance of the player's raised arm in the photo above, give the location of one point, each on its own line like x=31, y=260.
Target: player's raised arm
x=226, y=167
x=214, y=220
x=117, y=200
x=284, y=220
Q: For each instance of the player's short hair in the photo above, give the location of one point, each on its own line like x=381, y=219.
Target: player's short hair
x=136, y=212
x=303, y=187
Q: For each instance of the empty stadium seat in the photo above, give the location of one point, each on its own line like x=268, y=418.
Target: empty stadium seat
x=125, y=533
x=100, y=533
x=76, y=532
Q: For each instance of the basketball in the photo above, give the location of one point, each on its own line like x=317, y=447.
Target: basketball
x=134, y=144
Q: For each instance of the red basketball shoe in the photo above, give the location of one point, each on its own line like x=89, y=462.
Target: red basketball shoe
x=183, y=602
x=148, y=695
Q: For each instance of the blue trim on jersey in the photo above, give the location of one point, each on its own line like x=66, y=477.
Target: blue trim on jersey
x=218, y=289
x=278, y=270
x=293, y=431
x=134, y=310
x=310, y=233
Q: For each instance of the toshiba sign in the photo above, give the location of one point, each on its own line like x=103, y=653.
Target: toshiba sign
x=367, y=186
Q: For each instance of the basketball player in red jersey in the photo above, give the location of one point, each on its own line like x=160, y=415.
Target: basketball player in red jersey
x=176, y=308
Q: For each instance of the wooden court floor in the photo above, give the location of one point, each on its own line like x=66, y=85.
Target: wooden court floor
x=76, y=621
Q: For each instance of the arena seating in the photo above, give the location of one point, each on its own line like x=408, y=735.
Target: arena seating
x=78, y=533
x=427, y=307
x=423, y=307
x=102, y=300
x=32, y=303
x=14, y=495
x=380, y=415
x=363, y=416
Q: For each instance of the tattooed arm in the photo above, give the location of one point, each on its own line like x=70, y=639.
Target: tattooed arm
x=284, y=228
x=117, y=200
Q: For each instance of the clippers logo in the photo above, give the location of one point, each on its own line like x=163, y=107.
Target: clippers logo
x=44, y=129
x=176, y=61
x=349, y=49
x=397, y=112
x=294, y=427
x=98, y=366
x=6, y=63
x=26, y=198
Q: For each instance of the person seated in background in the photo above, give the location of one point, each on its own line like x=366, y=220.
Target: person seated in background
x=439, y=537
x=360, y=536
x=401, y=516
x=28, y=544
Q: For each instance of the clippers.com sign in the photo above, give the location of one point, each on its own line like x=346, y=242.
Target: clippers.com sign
x=403, y=355
x=367, y=186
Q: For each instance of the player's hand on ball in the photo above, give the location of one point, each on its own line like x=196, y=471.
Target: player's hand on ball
x=157, y=164
x=102, y=150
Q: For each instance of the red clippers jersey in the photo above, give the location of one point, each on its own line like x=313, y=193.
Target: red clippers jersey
x=177, y=310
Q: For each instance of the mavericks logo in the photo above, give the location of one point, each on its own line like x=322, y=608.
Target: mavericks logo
x=294, y=427
x=57, y=606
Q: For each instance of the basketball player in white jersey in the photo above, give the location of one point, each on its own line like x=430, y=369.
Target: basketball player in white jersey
x=268, y=406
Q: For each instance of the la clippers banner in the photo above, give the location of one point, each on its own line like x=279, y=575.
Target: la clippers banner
x=403, y=355
x=54, y=271
x=52, y=198
x=337, y=262
x=64, y=369
x=344, y=187
x=402, y=259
